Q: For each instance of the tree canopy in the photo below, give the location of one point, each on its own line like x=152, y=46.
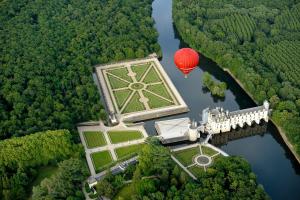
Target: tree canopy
x=258, y=41
x=20, y=157
x=215, y=88
x=47, y=52
x=65, y=184
x=228, y=178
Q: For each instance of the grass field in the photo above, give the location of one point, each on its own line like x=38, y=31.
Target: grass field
x=101, y=159
x=125, y=193
x=124, y=136
x=134, y=104
x=208, y=151
x=121, y=72
x=186, y=156
x=160, y=89
x=124, y=151
x=121, y=96
x=152, y=76
x=140, y=70
x=155, y=101
x=94, y=139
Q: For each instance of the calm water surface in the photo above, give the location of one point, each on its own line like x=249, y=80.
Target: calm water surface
x=270, y=159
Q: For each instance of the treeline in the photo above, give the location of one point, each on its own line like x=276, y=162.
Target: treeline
x=258, y=42
x=47, y=52
x=158, y=177
x=21, y=157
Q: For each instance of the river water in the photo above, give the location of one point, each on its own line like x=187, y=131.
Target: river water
x=270, y=159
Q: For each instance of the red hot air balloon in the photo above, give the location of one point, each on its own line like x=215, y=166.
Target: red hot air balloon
x=186, y=59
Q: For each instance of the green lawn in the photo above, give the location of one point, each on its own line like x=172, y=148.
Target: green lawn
x=124, y=151
x=160, y=89
x=152, y=76
x=101, y=159
x=116, y=83
x=121, y=72
x=134, y=104
x=155, y=101
x=140, y=70
x=123, y=136
x=94, y=139
x=208, y=151
x=121, y=96
x=125, y=193
x=186, y=156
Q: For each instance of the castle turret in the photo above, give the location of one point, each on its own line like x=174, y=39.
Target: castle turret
x=266, y=105
x=193, y=132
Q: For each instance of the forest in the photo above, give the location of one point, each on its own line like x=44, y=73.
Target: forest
x=258, y=42
x=66, y=183
x=157, y=177
x=47, y=53
x=21, y=157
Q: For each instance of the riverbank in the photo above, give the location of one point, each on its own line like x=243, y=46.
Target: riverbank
x=280, y=130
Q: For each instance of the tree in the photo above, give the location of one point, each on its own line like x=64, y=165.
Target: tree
x=217, y=89
x=65, y=184
x=153, y=159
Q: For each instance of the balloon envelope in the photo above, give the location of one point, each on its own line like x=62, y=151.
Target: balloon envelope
x=186, y=59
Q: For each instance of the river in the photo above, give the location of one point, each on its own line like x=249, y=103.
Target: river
x=275, y=167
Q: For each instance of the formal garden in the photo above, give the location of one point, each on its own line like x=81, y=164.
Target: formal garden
x=138, y=87
x=197, y=159
x=105, y=148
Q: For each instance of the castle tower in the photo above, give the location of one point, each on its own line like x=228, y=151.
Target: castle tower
x=266, y=105
x=193, y=132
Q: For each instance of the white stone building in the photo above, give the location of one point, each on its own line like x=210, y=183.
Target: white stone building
x=217, y=120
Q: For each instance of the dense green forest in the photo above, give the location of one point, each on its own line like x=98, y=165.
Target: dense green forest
x=21, y=157
x=156, y=177
x=47, y=52
x=258, y=41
